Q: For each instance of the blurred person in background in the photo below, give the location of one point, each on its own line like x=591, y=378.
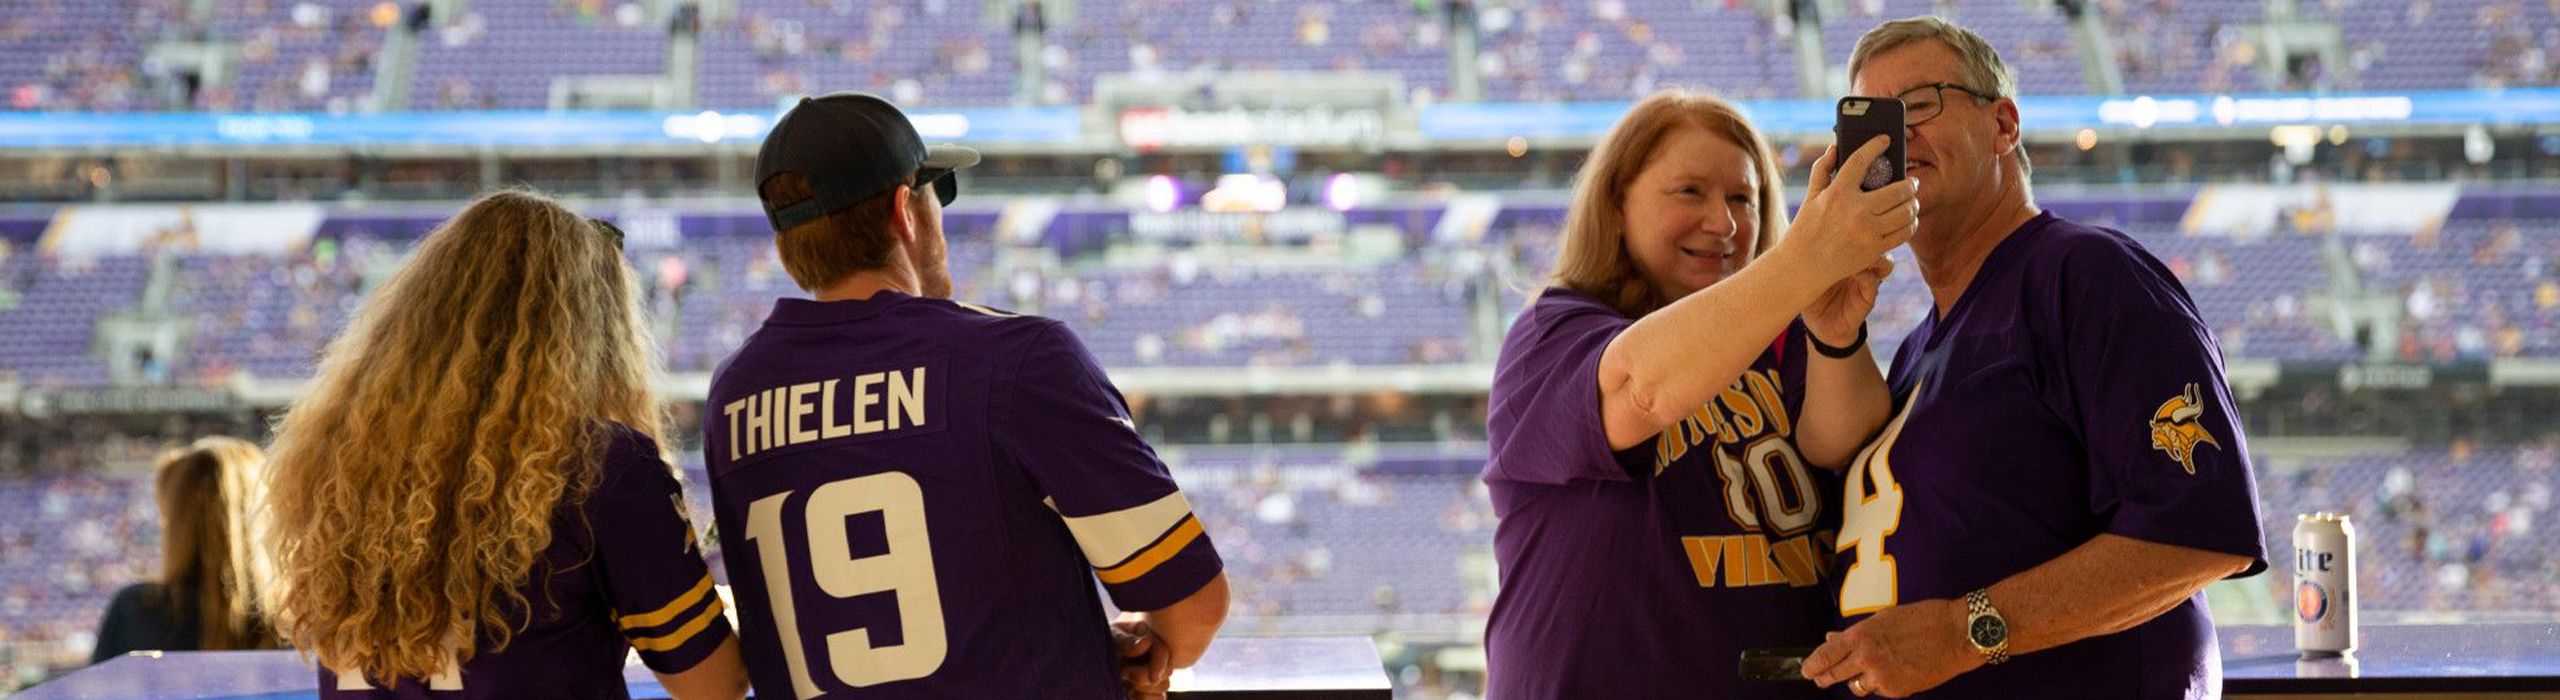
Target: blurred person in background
x=211, y=573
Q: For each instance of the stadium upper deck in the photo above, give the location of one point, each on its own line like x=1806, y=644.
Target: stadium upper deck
x=324, y=55
x=2478, y=281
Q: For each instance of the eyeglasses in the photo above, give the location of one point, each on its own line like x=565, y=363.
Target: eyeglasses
x=1919, y=107
x=609, y=230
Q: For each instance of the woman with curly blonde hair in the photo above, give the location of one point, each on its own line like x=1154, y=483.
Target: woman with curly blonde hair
x=469, y=495
x=210, y=576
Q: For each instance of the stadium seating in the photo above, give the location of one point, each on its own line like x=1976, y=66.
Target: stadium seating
x=1229, y=318
x=319, y=54
x=300, y=55
x=73, y=54
x=2401, y=46
x=73, y=540
x=2477, y=289
x=2437, y=532
x=1321, y=549
x=947, y=53
x=261, y=315
x=1314, y=546
x=2037, y=44
x=504, y=55
x=46, y=335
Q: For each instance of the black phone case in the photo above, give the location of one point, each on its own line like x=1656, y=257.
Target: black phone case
x=1857, y=120
x=1774, y=664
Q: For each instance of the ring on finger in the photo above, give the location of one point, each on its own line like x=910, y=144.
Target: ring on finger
x=1859, y=686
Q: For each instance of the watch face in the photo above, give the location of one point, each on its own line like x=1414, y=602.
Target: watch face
x=1989, y=632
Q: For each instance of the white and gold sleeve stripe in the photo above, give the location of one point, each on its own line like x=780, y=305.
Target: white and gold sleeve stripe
x=1146, y=561
x=1120, y=539
x=998, y=313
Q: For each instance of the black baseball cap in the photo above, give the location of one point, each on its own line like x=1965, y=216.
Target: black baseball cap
x=851, y=147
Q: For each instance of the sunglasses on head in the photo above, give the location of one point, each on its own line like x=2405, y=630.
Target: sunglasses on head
x=609, y=230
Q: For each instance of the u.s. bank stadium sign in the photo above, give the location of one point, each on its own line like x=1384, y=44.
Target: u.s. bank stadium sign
x=2226, y=110
x=76, y=402
x=1285, y=225
x=2373, y=376
x=2378, y=376
x=1150, y=128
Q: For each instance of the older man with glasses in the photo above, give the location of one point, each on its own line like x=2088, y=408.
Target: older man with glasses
x=2064, y=475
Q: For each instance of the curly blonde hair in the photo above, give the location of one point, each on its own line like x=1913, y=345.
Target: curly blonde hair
x=415, y=479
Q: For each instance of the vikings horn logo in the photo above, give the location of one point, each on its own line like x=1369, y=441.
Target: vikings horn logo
x=685, y=515
x=2174, y=428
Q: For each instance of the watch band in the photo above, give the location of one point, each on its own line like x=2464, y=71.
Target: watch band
x=1978, y=604
x=1838, y=353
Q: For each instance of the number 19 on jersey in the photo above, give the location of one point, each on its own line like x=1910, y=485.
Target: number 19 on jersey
x=905, y=570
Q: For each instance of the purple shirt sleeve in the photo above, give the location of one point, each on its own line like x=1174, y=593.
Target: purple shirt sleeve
x=2142, y=377
x=1543, y=421
x=650, y=560
x=1059, y=417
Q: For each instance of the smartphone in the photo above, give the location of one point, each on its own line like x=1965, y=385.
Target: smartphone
x=1858, y=120
x=1774, y=663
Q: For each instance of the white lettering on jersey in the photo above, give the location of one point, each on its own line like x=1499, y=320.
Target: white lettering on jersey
x=780, y=416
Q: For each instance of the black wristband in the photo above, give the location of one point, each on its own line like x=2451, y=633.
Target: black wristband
x=1838, y=353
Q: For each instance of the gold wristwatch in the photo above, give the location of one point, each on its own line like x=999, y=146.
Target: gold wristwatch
x=1984, y=628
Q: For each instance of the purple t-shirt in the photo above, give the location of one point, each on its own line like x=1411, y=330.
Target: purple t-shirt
x=623, y=572
x=2072, y=391
x=1644, y=573
x=916, y=496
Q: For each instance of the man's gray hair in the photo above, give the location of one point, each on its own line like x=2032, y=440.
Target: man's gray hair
x=1977, y=64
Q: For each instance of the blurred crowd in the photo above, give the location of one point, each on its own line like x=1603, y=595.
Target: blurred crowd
x=318, y=55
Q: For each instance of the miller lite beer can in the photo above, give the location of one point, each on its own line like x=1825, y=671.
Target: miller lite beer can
x=2324, y=585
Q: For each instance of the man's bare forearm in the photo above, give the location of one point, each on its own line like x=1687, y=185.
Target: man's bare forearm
x=2105, y=586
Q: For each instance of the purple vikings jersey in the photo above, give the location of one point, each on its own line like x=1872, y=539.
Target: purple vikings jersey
x=623, y=572
x=1644, y=573
x=2071, y=392
x=915, y=497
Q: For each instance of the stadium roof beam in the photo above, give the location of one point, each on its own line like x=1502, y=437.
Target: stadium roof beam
x=396, y=65
x=684, y=55
x=2097, y=48
x=1814, y=75
x=1466, y=79
x=1030, y=35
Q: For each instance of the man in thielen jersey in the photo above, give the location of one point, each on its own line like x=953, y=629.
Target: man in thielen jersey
x=2065, y=474
x=915, y=495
